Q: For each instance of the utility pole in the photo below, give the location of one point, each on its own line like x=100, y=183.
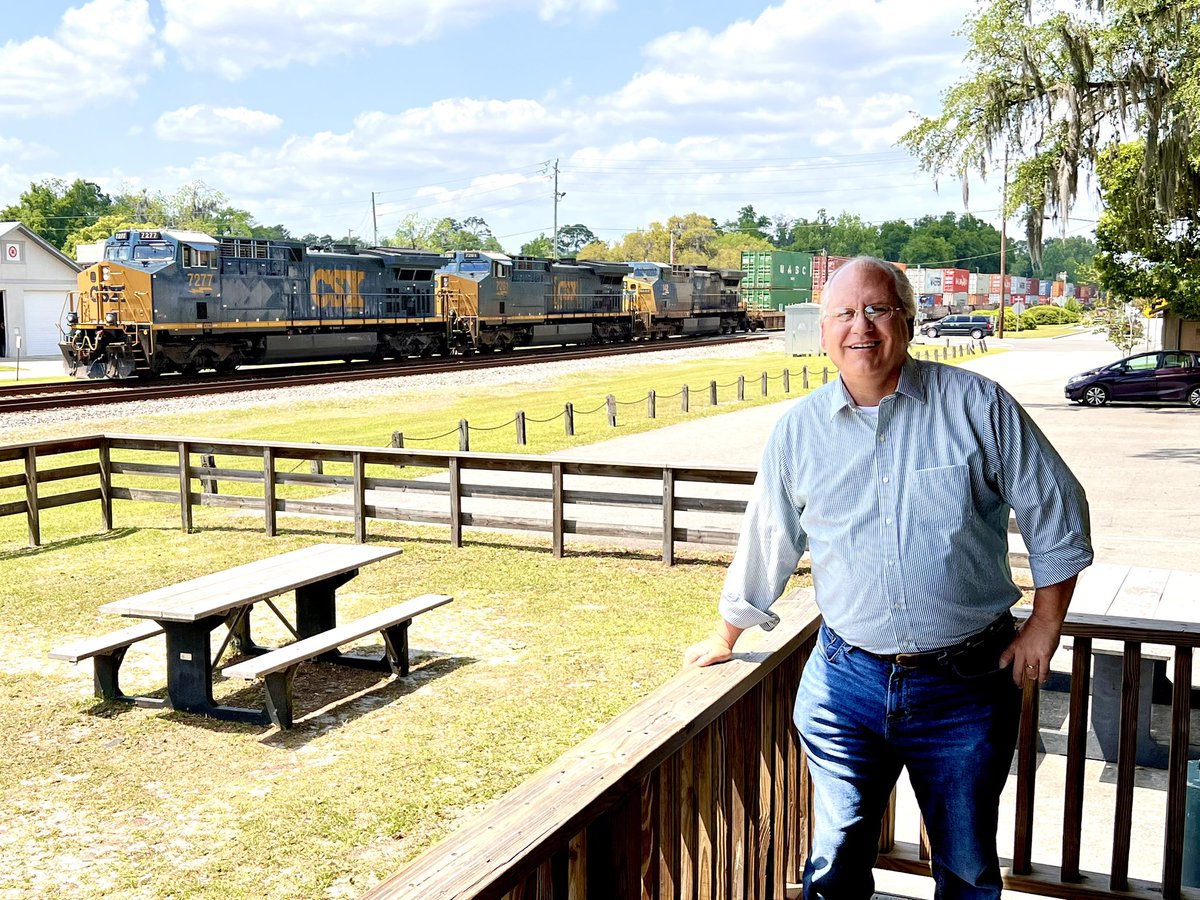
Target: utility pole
x=1003, y=246
x=374, y=223
x=558, y=195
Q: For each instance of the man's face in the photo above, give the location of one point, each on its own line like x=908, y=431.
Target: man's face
x=865, y=352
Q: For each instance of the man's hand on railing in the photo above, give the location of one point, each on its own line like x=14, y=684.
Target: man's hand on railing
x=716, y=648
x=1037, y=639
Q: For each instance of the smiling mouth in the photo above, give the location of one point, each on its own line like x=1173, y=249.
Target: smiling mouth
x=865, y=345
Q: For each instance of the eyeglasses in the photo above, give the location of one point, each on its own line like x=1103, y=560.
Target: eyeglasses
x=873, y=313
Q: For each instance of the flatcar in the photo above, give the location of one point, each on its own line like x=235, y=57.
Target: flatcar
x=684, y=299
x=497, y=302
x=163, y=301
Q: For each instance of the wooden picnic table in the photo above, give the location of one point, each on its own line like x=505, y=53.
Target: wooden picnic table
x=1136, y=592
x=189, y=611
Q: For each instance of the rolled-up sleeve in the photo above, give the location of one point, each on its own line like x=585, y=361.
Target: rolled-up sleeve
x=1047, y=500
x=770, y=544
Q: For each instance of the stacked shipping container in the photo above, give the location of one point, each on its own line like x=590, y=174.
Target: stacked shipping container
x=777, y=278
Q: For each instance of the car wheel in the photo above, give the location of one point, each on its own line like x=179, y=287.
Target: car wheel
x=1096, y=395
x=1194, y=397
x=931, y=332
x=977, y=334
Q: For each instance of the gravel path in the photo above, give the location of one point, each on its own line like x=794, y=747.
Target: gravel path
x=86, y=420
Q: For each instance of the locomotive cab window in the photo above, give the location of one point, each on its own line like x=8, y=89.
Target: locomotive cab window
x=195, y=258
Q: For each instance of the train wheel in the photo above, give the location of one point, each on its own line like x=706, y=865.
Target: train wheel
x=227, y=366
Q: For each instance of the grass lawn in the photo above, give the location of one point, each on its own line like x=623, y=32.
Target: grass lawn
x=1045, y=331
x=533, y=654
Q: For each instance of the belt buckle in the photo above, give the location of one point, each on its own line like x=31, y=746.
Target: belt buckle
x=908, y=660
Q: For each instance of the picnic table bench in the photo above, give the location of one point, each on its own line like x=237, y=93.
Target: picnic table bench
x=188, y=612
x=1135, y=592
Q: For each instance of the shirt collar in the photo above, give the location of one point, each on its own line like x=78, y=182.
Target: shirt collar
x=911, y=384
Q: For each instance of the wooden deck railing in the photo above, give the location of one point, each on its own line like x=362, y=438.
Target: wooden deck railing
x=700, y=791
x=369, y=486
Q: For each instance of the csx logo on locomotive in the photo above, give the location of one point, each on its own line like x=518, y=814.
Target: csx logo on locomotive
x=338, y=289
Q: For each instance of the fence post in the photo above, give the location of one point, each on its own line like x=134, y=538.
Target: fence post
x=360, y=498
x=824, y=374
x=764, y=383
x=269, y=490
x=317, y=467
x=668, y=486
x=685, y=398
x=520, y=428
x=398, y=444
x=569, y=419
x=611, y=402
x=787, y=381
x=208, y=484
x=185, y=488
x=455, y=502
x=712, y=393
x=651, y=405
x=106, y=486
x=804, y=374
x=741, y=388
x=556, y=508
x=464, y=436
x=32, y=513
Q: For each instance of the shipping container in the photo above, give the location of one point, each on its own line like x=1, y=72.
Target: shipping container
x=824, y=266
x=1044, y=288
x=976, y=283
x=785, y=269
x=1018, y=285
x=1032, y=288
x=916, y=277
x=956, y=281
x=1069, y=289
x=1056, y=288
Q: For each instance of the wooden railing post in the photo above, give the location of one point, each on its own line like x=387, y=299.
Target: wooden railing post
x=741, y=388
x=787, y=381
x=684, y=395
x=764, y=384
x=464, y=436
x=360, y=498
x=32, y=513
x=650, y=405
x=269, y=517
x=185, y=488
x=804, y=377
x=455, y=503
x=105, y=461
x=668, y=506
x=712, y=393
x=520, y=428
x=556, y=508
x=824, y=374
x=569, y=419
x=610, y=403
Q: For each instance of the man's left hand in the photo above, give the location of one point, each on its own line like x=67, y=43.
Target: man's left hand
x=1031, y=649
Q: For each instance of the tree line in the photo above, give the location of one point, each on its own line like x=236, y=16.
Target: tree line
x=67, y=215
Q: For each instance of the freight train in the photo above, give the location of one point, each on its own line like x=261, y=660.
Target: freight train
x=179, y=301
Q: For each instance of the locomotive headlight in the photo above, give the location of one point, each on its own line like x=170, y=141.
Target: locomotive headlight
x=72, y=318
x=110, y=318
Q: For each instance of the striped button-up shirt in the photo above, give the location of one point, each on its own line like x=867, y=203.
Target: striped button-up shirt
x=905, y=511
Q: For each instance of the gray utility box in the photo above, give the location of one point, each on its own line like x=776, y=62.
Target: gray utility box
x=802, y=329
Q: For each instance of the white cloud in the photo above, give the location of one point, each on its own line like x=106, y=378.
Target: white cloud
x=236, y=37
x=208, y=125
x=100, y=51
x=14, y=149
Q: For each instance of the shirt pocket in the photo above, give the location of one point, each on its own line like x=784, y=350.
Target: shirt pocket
x=941, y=497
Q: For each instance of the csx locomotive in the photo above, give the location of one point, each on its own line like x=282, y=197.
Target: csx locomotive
x=180, y=301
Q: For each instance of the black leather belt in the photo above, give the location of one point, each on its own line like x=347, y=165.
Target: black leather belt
x=995, y=636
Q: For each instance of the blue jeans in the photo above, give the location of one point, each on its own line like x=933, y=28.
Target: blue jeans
x=861, y=721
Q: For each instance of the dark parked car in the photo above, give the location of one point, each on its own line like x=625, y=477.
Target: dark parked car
x=1168, y=375
x=977, y=327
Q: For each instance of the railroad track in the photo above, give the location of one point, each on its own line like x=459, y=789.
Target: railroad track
x=61, y=395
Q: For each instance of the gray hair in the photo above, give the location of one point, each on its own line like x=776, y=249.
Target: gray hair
x=900, y=283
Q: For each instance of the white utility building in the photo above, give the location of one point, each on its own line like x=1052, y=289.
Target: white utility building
x=35, y=279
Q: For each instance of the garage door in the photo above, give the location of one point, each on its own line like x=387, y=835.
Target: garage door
x=44, y=311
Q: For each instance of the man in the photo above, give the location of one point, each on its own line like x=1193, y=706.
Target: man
x=899, y=477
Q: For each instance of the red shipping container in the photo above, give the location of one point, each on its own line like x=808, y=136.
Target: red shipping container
x=824, y=266
x=994, y=284
x=956, y=281
x=1032, y=290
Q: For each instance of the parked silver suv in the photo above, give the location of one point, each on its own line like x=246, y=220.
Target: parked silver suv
x=977, y=327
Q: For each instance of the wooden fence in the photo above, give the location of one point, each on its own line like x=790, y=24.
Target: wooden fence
x=700, y=791
x=548, y=495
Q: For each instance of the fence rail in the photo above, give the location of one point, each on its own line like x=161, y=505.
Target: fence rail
x=540, y=494
x=701, y=791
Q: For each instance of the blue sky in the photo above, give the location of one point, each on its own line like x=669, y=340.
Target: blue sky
x=298, y=110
